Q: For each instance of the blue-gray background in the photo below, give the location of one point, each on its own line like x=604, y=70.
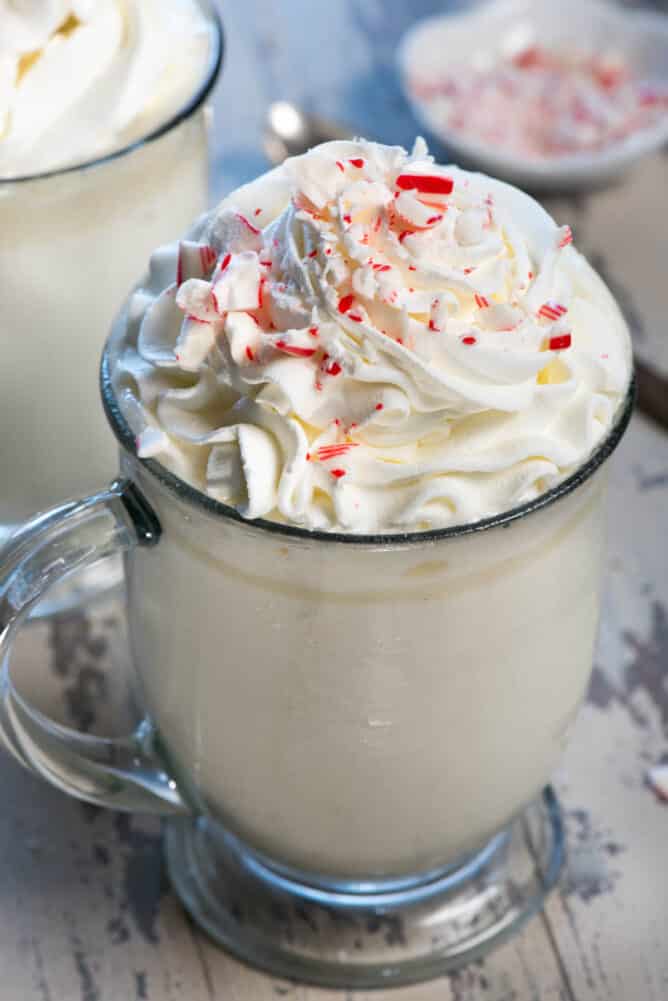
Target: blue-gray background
x=336, y=57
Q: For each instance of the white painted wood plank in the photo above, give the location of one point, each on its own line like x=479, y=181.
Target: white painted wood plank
x=611, y=918
x=525, y=969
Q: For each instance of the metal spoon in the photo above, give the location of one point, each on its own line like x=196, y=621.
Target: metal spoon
x=289, y=131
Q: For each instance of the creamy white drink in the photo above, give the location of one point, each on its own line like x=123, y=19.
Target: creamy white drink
x=80, y=80
x=366, y=346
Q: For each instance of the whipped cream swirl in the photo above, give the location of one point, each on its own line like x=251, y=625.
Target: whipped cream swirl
x=367, y=342
x=79, y=78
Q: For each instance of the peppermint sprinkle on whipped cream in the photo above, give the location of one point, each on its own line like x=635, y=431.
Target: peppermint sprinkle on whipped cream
x=365, y=341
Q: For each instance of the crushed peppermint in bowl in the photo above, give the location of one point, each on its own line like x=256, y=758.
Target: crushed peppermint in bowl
x=542, y=94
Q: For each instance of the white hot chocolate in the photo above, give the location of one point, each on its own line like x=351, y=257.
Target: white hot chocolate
x=360, y=342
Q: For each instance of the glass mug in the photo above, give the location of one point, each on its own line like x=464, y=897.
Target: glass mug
x=104, y=217
x=349, y=735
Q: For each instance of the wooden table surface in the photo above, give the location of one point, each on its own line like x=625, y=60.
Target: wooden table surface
x=87, y=914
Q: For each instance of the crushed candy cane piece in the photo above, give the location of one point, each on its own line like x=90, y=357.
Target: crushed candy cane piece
x=559, y=343
x=428, y=184
x=657, y=778
x=552, y=311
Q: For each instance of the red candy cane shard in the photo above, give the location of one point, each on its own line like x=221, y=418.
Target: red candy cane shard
x=355, y=317
x=249, y=225
x=314, y=253
x=380, y=406
x=207, y=256
x=249, y=354
x=345, y=302
x=313, y=331
x=481, y=302
x=226, y=260
x=340, y=166
x=529, y=58
x=565, y=237
x=337, y=473
x=552, y=311
x=294, y=350
x=432, y=220
x=335, y=450
x=559, y=343
x=427, y=184
x=469, y=340
x=357, y=161
x=257, y=212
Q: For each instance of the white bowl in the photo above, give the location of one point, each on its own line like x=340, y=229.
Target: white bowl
x=503, y=26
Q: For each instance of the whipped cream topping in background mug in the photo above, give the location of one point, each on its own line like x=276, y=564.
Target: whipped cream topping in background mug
x=364, y=341
x=80, y=78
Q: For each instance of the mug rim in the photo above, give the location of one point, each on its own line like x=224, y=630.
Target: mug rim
x=191, y=495
x=184, y=112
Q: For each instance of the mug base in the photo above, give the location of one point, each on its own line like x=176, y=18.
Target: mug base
x=359, y=936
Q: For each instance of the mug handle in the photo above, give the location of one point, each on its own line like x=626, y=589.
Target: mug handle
x=124, y=773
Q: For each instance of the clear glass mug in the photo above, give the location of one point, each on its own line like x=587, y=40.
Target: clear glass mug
x=348, y=735
x=73, y=242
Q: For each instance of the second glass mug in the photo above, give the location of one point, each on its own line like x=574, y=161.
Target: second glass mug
x=341, y=729
x=74, y=240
